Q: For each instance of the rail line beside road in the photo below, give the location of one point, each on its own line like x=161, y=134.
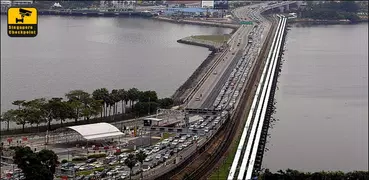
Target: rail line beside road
x=243, y=164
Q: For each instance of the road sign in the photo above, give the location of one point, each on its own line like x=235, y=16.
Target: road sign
x=246, y=22
x=22, y=22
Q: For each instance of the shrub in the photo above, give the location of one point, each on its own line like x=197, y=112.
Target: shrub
x=79, y=159
x=64, y=161
x=97, y=155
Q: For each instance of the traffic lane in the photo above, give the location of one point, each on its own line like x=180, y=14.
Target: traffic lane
x=164, y=167
x=193, y=103
x=216, y=90
x=210, y=82
x=204, y=88
x=208, y=103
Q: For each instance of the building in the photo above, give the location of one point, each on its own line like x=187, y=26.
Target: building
x=118, y=4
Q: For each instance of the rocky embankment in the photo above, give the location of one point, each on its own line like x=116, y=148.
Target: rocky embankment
x=181, y=93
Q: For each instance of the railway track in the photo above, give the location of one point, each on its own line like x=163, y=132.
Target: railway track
x=245, y=157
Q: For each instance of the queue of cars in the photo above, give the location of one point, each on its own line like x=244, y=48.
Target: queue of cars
x=239, y=76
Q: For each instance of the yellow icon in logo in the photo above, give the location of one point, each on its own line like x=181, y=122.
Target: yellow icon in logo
x=22, y=22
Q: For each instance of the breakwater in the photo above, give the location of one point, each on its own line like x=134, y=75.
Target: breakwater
x=197, y=42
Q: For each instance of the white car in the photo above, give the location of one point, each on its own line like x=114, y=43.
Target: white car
x=148, y=159
x=158, y=156
x=156, y=149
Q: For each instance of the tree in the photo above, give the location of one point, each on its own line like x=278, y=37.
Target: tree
x=49, y=159
x=114, y=99
x=78, y=97
x=148, y=96
x=35, y=112
x=141, y=156
x=8, y=116
x=53, y=109
x=32, y=165
x=166, y=103
x=122, y=94
x=18, y=103
x=130, y=162
x=101, y=94
x=92, y=109
x=133, y=95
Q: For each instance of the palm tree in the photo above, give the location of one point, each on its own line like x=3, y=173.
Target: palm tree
x=114, y=99
x=92, y=109
x=141, y=156
x=8, y=116
x=122, y=97
x=98, y=95
x=130, y=162
x=133, y=95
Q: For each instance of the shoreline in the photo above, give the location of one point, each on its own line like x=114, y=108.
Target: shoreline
x=178, y=94
x=197, y=22
x=312, y=22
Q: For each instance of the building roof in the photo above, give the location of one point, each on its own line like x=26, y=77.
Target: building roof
x=97, y=131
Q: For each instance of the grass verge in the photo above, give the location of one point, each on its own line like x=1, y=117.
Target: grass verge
x=222, y=172
x=88, y=172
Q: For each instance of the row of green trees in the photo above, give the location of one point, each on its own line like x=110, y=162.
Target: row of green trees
x=332, y=10
x=331, y=175
x=82, y=105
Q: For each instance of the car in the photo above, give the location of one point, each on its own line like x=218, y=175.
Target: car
x=158, y=156
x=145, y=168
x=170, y=139
x=175, y=142
x=206, y=129
x=156, y=149
x=184, y=145
x=91, y=160
x=148, y=159
x=123, y=155
x=166, y=156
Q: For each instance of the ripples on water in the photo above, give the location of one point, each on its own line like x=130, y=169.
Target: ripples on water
x=322, y=101
x=89, y=53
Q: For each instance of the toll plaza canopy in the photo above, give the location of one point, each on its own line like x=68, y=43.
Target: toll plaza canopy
x=97, y=131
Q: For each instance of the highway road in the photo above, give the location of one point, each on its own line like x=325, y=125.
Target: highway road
x=221, y=69
x=209, y=91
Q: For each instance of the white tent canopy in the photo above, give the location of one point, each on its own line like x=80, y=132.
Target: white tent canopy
x=97, y=131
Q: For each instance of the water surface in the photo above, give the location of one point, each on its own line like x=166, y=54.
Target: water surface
x=322, y=101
